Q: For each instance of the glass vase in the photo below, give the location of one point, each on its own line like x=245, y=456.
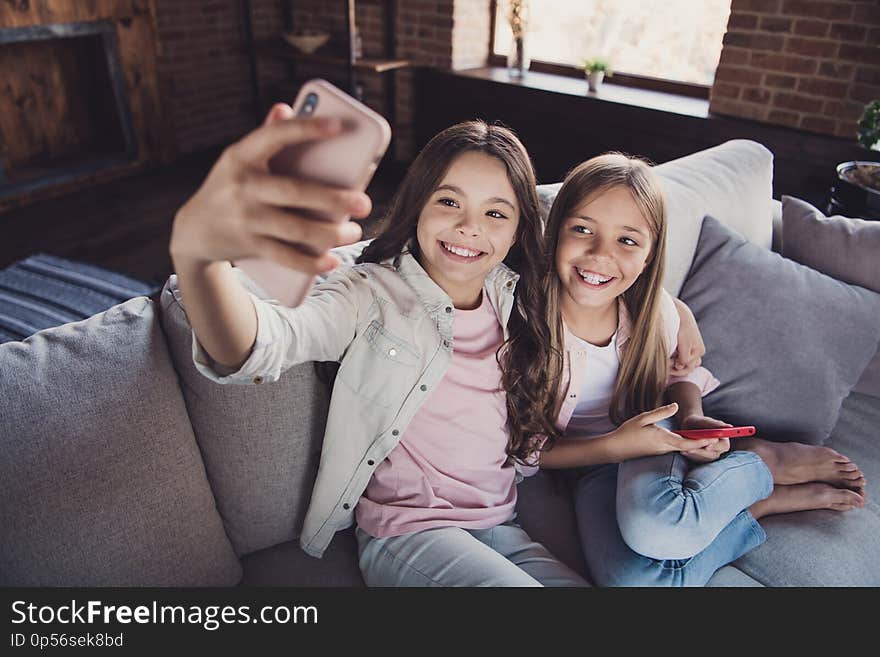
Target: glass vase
x=518, y=58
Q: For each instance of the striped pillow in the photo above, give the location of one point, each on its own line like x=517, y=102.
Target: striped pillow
x=43, y=291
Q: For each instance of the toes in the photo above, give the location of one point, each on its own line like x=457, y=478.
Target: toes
x=851, y=497
x=836, y=456
x=848, y=467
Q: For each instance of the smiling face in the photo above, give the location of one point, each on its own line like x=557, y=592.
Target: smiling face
x=604, y=245
x=467, y=226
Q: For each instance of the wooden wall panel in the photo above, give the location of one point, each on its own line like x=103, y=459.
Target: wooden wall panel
x=135, y=27
x=49, y=110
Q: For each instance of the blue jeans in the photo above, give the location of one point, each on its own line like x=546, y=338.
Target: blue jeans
x=503, y=555
x=665, y=521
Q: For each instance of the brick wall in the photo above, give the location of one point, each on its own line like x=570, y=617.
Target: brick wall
x=267, y=22
x=442, y=34
x=206, y=73
x=424, y=37
x=438, y=33
x=808, y=64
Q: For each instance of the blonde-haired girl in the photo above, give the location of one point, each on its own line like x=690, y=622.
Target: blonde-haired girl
x=674, y=510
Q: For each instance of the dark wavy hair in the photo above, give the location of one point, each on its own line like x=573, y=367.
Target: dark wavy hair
x=522, y=354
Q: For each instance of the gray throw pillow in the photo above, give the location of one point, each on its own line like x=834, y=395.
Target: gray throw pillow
x=847, y=249
x=787, y=342
x=101, y=480
x=260, y=443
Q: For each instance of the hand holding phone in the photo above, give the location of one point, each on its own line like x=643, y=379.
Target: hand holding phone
x=241, y=210
x=720, y=432
x=346, y=161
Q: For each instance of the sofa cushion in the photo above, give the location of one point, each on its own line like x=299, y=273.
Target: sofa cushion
x=260, y=444
x=100, y=476
x=731, y=182
x=787, y=343
x=844, y=248
x=847, y=249
x=545, y=509
x=829, y=548
x=732, y=576
x=287, y=565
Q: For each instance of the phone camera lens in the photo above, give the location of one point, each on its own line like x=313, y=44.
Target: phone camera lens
x=310, y=103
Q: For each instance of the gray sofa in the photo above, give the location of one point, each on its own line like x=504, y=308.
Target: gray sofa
x=121, y=466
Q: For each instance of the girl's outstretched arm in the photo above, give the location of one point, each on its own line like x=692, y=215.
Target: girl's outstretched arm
x=242, y=210
x=219, y=310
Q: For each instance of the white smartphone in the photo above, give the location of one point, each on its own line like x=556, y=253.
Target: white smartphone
x=347, y=160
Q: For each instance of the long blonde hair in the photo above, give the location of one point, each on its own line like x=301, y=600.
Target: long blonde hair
x=644, y=367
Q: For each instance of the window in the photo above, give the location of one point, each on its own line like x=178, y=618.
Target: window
x=678, y=40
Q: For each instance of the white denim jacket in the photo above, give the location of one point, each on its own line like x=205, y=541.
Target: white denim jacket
x=390, y=327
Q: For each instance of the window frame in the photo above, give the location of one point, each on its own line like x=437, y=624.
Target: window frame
x=690, y=89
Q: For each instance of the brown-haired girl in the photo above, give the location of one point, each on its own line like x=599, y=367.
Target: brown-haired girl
x=415, y=444
x=675, y=509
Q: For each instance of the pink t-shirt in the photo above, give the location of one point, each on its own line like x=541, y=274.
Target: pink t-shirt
x=449, y=468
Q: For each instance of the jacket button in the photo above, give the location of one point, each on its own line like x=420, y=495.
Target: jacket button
x=395, y=433
x=345, y=506
x=449, y=309
x=371, y=462
x=258, y=380
x=509, y=284
x=392, y=352
x=423, y=387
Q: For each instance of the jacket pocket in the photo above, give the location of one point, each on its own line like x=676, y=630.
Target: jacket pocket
x=388, y=346
x=380, y=366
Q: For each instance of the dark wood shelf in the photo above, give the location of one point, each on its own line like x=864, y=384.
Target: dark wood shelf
x=280, y=50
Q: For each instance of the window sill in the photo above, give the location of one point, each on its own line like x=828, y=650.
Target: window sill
x=608, y=92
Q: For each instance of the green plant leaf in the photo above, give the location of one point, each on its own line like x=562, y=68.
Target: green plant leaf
x=869, y=125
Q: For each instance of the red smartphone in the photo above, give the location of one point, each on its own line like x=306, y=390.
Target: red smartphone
x=346, y=160
x=723, y=432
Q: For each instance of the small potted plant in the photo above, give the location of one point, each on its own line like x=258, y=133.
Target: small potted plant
x=596, y=69
x=857, y=188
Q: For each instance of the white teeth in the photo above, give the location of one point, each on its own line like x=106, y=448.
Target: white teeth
x=593, y=279
x=458, y=250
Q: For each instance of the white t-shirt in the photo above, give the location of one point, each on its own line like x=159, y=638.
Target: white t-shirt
x=590, y=417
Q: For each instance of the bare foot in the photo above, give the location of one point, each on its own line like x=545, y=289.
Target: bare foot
x=797, y=463
x=805, y=497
